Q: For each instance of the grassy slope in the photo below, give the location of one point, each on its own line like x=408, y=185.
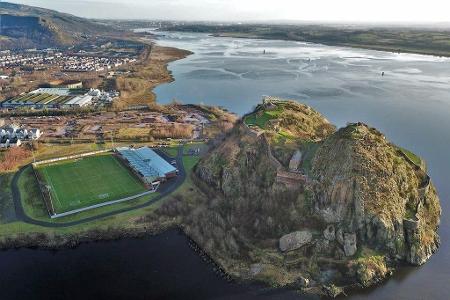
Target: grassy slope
x=170, y=151
x=89, y=181
x=260, y=119
x=6, y=204
x=50, y=28
x=413, y=157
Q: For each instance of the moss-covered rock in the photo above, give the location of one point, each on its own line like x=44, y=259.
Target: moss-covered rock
x=359, y=192
x=365, y=184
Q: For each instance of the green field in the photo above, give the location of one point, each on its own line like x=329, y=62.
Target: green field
x=88, y=181
x=415, y=159
x=260, y=119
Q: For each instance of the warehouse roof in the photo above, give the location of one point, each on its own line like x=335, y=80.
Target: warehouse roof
x=79, y=100
x=147, y=162
x=52, y=91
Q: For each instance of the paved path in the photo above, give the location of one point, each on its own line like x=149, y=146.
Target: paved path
x=164, y=190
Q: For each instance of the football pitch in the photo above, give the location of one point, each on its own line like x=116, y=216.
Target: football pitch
x=87, y=181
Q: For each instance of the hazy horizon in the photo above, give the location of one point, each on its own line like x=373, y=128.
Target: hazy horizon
x=347, y=11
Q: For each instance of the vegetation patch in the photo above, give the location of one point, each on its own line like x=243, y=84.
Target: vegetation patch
x=7, y=213
x=309, y=150
x=260, y=118
x=413, y=157
x=371, y=267
x=171, y=151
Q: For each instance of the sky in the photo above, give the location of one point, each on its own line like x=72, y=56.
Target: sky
x=384, y=11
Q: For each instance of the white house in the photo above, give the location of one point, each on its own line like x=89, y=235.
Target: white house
x=13, y=135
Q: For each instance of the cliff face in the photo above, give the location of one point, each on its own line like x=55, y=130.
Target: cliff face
x=354, y=207
x=368, y=187
x=244, y=170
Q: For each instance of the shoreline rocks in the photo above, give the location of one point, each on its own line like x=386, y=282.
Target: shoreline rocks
x=295, y=240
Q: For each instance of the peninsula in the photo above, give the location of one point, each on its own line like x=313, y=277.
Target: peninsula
x=289, y=200
x=279, y=196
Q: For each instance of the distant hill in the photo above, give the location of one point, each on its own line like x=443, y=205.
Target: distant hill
x=408, y=39
x=23, y=26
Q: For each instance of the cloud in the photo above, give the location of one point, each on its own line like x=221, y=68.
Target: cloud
x=234, y=10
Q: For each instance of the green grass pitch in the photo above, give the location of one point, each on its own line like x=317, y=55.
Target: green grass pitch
x=87, y=181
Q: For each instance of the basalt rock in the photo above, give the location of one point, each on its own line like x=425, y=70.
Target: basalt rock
x=350, y=244
x=364, y=203
x=370, y=188
x=295, y=240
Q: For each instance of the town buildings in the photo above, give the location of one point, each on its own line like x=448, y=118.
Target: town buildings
x=68, y=62
x=13, y=135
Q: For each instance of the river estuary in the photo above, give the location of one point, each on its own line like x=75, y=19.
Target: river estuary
x=410, y=104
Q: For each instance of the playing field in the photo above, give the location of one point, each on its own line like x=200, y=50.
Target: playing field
x=88, y=181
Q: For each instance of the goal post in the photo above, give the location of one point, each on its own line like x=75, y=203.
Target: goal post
x=45, y=192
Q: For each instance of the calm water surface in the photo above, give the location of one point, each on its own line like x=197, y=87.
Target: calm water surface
x=160, y=267
x=410, y=104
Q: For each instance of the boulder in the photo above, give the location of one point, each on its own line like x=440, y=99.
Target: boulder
x=329, y=233
x=340, y=236
x=295, y=240
x=255, y=269
x=350, y=244
x=324, y=247
x=332, y=290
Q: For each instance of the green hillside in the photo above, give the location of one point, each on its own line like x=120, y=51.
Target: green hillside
x=25, y=26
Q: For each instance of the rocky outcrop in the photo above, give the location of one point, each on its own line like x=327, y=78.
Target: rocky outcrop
x=350, y=244
x=361, y=208
x=329, y=233
x=375, y=196
x=295, y=240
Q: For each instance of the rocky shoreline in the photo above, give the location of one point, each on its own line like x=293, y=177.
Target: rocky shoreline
x=360, y=208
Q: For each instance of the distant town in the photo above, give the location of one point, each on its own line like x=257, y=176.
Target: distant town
x=69, y=95
x=82, y=61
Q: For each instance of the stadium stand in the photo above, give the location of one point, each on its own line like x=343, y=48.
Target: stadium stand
x=148, y=164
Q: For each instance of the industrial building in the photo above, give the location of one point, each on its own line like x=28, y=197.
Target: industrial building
x=151, y=167
x=72, y=84
x=49, y=98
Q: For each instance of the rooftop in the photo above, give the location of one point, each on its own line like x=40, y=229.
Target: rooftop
x=147, y=162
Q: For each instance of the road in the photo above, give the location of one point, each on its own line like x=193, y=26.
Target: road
x=164, y=190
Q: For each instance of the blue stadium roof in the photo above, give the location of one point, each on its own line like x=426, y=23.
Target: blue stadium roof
x=147, y=162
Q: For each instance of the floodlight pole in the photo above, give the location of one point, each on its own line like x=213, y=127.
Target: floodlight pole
x=32, y=150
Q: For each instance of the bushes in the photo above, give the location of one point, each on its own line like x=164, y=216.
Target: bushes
x=371, y=269
x=174, y=131
x=13, y=157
